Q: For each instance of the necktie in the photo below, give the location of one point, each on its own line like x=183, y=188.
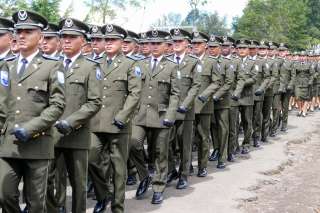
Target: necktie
x=154, y=64
x=23, y=67
x=178, y=60
x=109, y=62
x=67, y=64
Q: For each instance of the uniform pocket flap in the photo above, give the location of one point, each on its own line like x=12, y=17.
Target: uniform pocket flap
x=77, y=79
x=162, y=108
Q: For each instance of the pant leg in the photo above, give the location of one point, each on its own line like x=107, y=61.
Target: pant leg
x=10, y=177
x=203, y=128
x=51, y=201
x=266, y=114
x=215, y=132
x=285, y=109
x=276, y=108
x=233, y=129
x=160, y=138
x=246, y=117
x=137, y=150
x=77, y=166
x=172, y=140
x=257, y=119
x=185, y=132
x=222, y=116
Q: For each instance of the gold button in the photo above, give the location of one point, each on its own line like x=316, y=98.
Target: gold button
x=18, y=111
x=19, y=85
x=103, y=106
x=150, y=87
x=16, y=125
x=105, y=79
x=104, y=87
x=104, y=96
x=148, y=105
x=77, y=80
x=149, y=96
x=18, y=98
x=36, y=87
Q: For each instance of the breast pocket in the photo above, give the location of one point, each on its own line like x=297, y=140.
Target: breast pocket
x=38, y=91
x=164, y=85
x=77, y=85
x=186, y=80
x=121, y=83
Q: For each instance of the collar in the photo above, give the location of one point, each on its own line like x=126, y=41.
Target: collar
x=100, y=55
x=201, y=57
x=130, y=53
x=73, y=59
x=158, y=59
x=181, y=56
x=112, y=59
x=29, y=58
x=4, y=54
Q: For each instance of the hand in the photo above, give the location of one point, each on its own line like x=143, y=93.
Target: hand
x=202, y=98
x=215, y=98
x=118, y=124
x=258, y=92
x=234, y=97
x=21, y=134
x=63, y=127
x=281, y=92
x=182, y=109
x=167, y=123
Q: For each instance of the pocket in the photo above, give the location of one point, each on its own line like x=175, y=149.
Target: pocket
x=38, y=91
x=120, y=84
x=162, y=108
x=164, y=85
x=76, y=85
x=186, y=81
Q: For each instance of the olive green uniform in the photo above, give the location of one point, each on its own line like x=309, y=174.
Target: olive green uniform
x=159, y=100
x=303, y=80
x=121, y=87
x=276, y=102
x=36, y=101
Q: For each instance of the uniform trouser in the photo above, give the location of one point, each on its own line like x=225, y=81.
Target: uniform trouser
x=214, y=132
x=285, y=98
x=202, y=123
x=131, y=168
x=109, y=150
x=233, y=129
x=276, y=110
x=266, y=113
x=183, y=135
x=246, y=118
x=222, y=127
x=159, y=137
x=34, y=174
x=257, y=119
x=57, y=184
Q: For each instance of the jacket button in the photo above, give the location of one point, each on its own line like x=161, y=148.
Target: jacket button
x=19, y=85
x=77, y=80
x=149, y=96
x=105, y=79
x=150, y=87
x=103, y=106
x=104, y=96
x=36, y=87
x=104, y=87
x=16, y=125
x=43, y=133
x=148, y=105
x=18, y=112
x=18, y=98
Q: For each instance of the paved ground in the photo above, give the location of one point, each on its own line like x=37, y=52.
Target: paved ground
x=281, y=176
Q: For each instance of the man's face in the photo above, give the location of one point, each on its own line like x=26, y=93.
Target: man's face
x=98, y=45
x=113, y=45
x=128, y=47
x=225, y=50
x=29, y=39
x=243, y=52
x=5, y=41
x=253, y=51
x=199, y=48
x=50, y=44
x=146, y=49
x=282, y=53
x=263, y=52
x=214, y=51
x=169, y=49
x=72, y=44
x=180, y=46
x=158, y=48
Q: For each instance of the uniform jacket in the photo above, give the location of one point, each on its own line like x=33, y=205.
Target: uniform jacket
x=287, y=76
x=262, y=78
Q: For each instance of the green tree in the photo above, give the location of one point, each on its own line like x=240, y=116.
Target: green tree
x=169, y=20
x=8, y=7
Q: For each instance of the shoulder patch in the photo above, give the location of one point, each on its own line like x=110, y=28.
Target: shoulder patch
x=4, y=78
x=10, y=58
x=98, y=73
x=60, y=77
x=137, y=71
x=92, y=60
x=199, y=68
x=50, y=57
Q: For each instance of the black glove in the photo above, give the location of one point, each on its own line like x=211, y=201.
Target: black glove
x=202, y=98
x=258, y=92
x=234, y=97
x=119, y=124
x=167, y=123
x=182, y=109
x=21, y=134
x=215, y=98
x=63, y=127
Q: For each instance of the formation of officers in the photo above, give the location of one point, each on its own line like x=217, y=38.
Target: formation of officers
x=129, y=106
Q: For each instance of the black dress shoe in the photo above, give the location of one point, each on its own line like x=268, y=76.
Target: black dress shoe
x=173, y=175
x=131, y=180
x=237, y=151
x=214, y=156
x=25, y=210
x=157, y=198
x=284, y=129
x=101, y=205
x=182, y=183
x=221, y=165
x=231, y=158
x=256, y=142
x=245, y=151
x=143, y=187
x=191, y=170
x=264, y=140
x=272, y=134
x=202, y=172
x=62, y=209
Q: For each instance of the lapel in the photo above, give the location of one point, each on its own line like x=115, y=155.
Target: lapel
x=159, y=67
x=32, y=67
x=75, y=65
x=184, y=62
x=13, y=69
x=114, y=65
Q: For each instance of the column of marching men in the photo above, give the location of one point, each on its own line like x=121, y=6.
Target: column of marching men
x=104, y=107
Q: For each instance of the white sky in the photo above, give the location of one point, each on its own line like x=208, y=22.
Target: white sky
x=141, y=19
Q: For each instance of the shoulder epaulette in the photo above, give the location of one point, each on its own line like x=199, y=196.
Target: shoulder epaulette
x=193, y=56
x=169, y=55
x=134, y=57
x=11, y=58
x=50, y=57
x=216, y=58
x=169, y=59
x=92, y=60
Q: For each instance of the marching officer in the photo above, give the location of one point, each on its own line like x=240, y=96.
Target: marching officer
x=98, y=42
x=155, y=116
x=189, y=87
x=83, y=101
x=36, y=101
x=51, y=45
x=121, y=87
x=6, y=38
